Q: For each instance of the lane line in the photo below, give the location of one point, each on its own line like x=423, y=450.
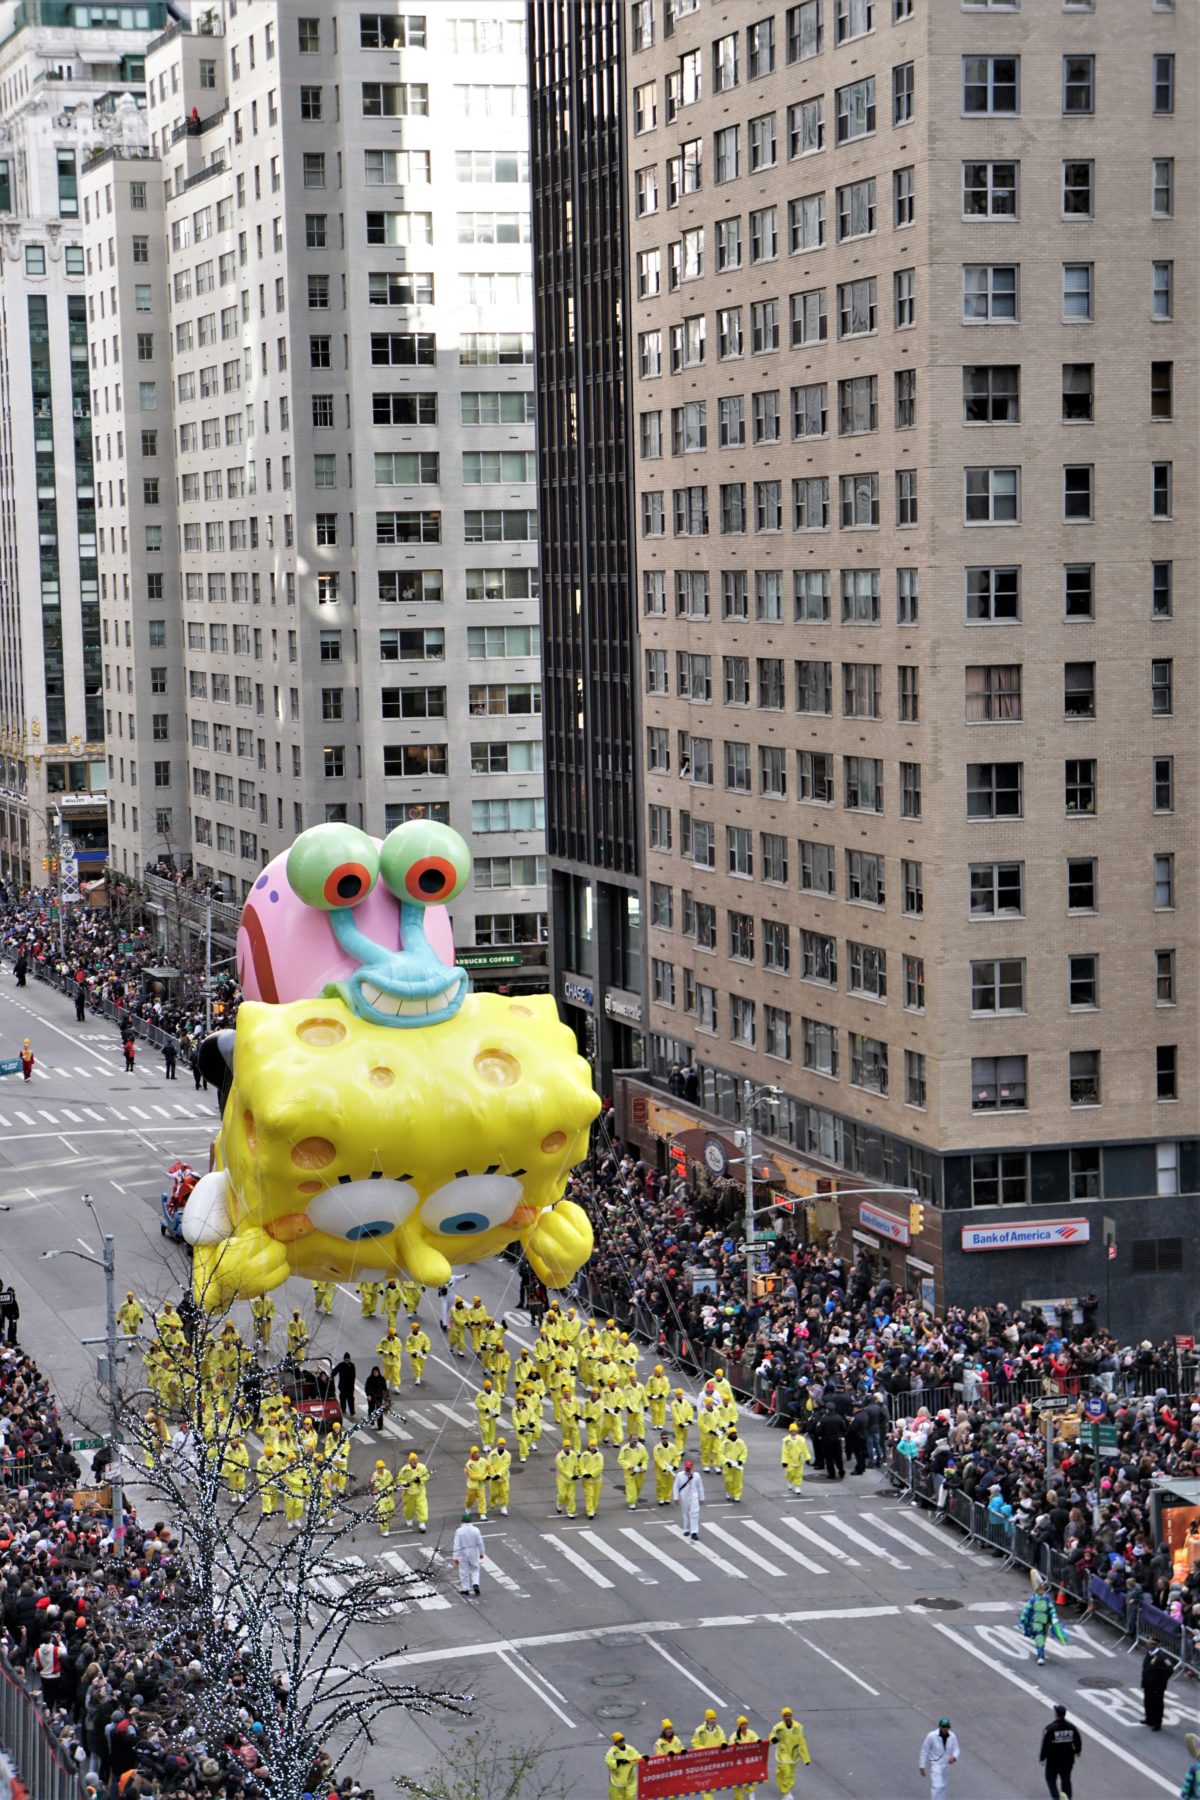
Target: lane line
x=944, y=1539
x=584, y=1567
x=598, y=1543
x=711, y=1556
x=74, y=1117
x=1039, y=1694
x=139, y=1114
x=712, y=1697
x=838, y=1665
x=878, y=1524
x=510, y=1663
x=417, y=1587
x=48, y=1116
x=797, y=1556
x=160, y=1109
x=668, y=1562
x=26, y=1120
x=864, y=1543
x=751, y=1556
x=814, y=1537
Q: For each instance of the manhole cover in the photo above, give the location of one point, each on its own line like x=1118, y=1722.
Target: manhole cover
x=613, y=1681
x=620, y=1640
x=1098, y=1681
x=616, y=1710
x=940, y=1604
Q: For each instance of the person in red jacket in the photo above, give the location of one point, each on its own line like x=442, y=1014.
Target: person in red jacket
x=26, y=1060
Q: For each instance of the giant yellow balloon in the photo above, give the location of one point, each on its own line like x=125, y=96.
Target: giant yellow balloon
x=393, y=1122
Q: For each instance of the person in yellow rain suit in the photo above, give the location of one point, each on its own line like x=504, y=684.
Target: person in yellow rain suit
x=566, y=1477
x=524, y=1419
x=558, y=1378
x=499, y=1470
x=297, y=1336
x=262, y=1311
x=569, y=1328
x=634, y=1461
x=297, y=1486
x=130, y=1314
x=368, y=1295
x=544, y=1352
x=412, y=1479
x=501, y=1363
x=709, y=1422
x=323, y=1292
x=733, y=1453
x=613, y=1395
x=487, y=1405
x=525, y=1370
x=589, y=1355
x=477, y=1318
x=670, y=1743
x=621, y=1762
x=390, y=1298
x=383, y=1484
x=568, y=1418
x=724, y=1392
x=410, y=1296
x=742, y=1734
x=491, y=1344
x=626, y=1356
x=169, y=1326
x=591, y=1412
x=456, y=1330
x=310, y=1437
x=235, y=1463
x=794, y=1454
x=269, y=1474
x=658, y=1392
x=790, y=1748
x=476, y=1471
x=634, y=1396
x=708, y=1735
x=417, y=1345
x=337, y=1462
x=666, y=1461
x=591, y=1470
x=390, y=1351
x=682, y=1415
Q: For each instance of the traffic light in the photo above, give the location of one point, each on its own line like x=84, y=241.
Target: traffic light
x=916, y=1218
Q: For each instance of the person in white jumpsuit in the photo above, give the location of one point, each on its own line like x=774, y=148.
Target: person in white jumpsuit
x=939, y=1753
x=688, y=1489
x=468, y=1554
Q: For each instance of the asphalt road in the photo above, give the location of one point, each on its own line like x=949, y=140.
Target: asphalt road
x=864, y=1615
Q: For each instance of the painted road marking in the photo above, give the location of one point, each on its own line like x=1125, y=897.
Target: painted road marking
x=584, y=1567
x=668, y=1562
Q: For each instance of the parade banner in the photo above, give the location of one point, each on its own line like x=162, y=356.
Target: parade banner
x=696, y=1771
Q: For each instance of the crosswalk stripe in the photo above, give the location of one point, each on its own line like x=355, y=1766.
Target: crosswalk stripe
x=116, y=1114
x=796, y=1556
x=48, y=1116
x=751, y=1556
x=878, y=1524
x=160, y=1109
x=397, y=1431
x=74, y=1117
x=43, y=1074
x=26, y=1119
x=584, y=1567
x=711, y=1556
x=390, y=1604
x=79, y=1071
x=186, y=1111
x=4, y=1121
x=490, y=1568
x=440, y=1406
x=425, y=1595
x=913, y=1518
x=598, y=1543
x=864, y=1543
x=814, y=1537
x=643, y=1543
x=138, y=1113
x=329, y=1586
x=93, y=1114
x=420, y=1419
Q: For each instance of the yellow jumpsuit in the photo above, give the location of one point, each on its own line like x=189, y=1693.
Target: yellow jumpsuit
x=709, y=1421
x=635, y=1409
x=790, y=1748
x=568, y=1418
x=129, y=1317
x=390, y=1351
x=476, y=1471
x=707, y=1737
x=733, y=1454
x=383, y=1482
x=391, y=1302
x=235, y=1465
x=794, y=1454
x=744, y=1736
x=524, y=1420
x=456, y=1330
x=269, y=1471
x=500, y=1366
x=297, y=1336
x=666, y=1461
x=477, y=1318
x=499, y=1469
x=410, y=1295
x=621, y=1761
x=323, y=1297
x=337, y=1465
x=614, y=1414
x=412, y=1479
x=682, y=1414
x=566, y=1475
x=591, y=1470
x=487, y=1405
x=634, y=1460
x=262, y=1311
x=658, y=1390
x=525, y=1371
x=417, y=1345
x=297, y=1485
x=670, y=1746
x=368, y=1294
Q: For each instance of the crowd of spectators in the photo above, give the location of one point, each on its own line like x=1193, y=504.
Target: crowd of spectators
x=109, y=961
x=106, y=1648
x=822, y=1336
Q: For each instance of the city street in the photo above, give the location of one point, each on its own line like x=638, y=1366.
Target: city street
x=864, y=1615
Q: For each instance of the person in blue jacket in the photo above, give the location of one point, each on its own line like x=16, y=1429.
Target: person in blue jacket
x=1039, y=1620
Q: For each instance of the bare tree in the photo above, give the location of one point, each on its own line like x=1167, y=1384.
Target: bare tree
x=273, y=1615
x=479, y=1768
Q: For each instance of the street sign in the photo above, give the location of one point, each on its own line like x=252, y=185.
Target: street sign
x=1095, y=1406
x=1104, y=1440
x=86, y=1443
x=1054, y=1402
x=10, y=1065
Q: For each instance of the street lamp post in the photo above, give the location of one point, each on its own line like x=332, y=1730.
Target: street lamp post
x=108, y=1262
x=213, y=892
x=750, y=1094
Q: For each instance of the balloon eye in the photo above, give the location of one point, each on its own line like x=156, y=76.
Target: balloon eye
x=347, y=884
x=430, y=879
x=377, y=1228
x=471, y=1204
x=425, y=862
x=463, y=1225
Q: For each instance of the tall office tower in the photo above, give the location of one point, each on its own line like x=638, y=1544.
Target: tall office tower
x=915, y=314
x=71, y=83
x=589, y=620
x=321, y=552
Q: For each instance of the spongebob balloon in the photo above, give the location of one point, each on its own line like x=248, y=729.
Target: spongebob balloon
x=383, y=1117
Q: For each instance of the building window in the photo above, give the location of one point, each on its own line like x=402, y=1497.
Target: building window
x=1077, y=291
x=820, y=1048
x=806, y=127
x=868, y=1063
x=1162, y=687
x=991, y=496
x=998, y=985
x=1077, y=492
x=912, y=889
x=1164, y=84
x=1083, y=982
x=1162, y=187
x=902, y=93
x=1078, y=392
x=914, y=1078
x=994, y=790
x=904, y=197
x=1079, y=85
x=1079, y=690
x=991, y=85
x=1001, y=1179
x=856, y=209
x=1164, y=784
x=998, y=1084
x=1160, y=490
x=854, y=110
x=904, y=287
x=1162, y=305
x=1079, y=785
x=1077, y=184
x=1084, y=1078
x=990, y=190
x=990, y=293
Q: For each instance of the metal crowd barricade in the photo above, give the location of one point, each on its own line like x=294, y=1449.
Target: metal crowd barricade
x=24, y=1733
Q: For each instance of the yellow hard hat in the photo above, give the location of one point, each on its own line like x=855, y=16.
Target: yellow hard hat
x=129, y=1293
x=476, y=1300
x=742, y=1720
x=793, y=1426
x=720, y=1374
x=679, y=1391
x=500, y=1443
x=710, y=1714
x=474, y=1449
x=618, y=1737
x=380, y=1464
x=412, y=1456
x=786, y=1711
x=658, y=1368
x=667, y=1725
x=487, y=1384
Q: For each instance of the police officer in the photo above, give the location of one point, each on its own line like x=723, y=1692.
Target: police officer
x=1061, y=1744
